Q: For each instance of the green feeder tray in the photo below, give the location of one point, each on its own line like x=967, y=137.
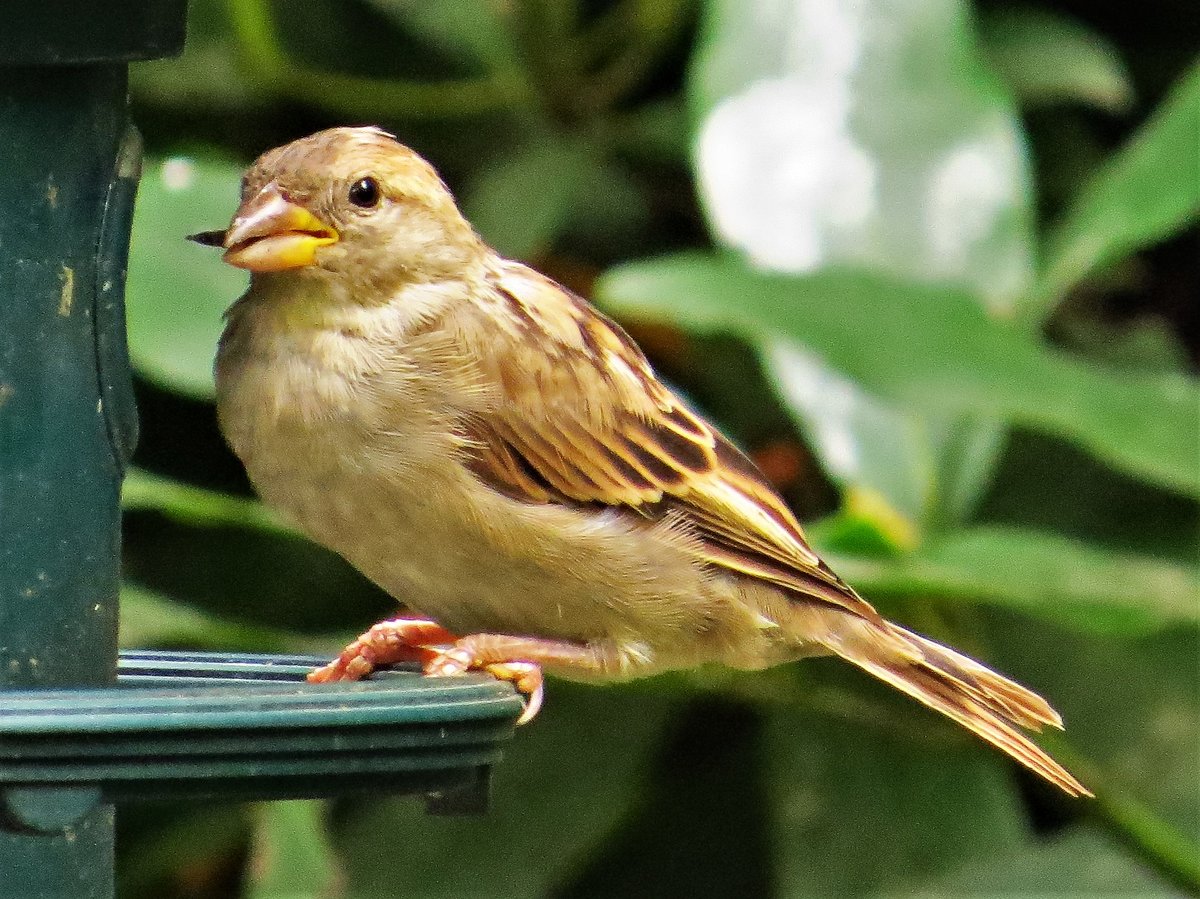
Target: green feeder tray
x=238, y=726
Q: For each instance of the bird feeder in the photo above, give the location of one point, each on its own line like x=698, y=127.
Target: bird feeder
x=82, y=728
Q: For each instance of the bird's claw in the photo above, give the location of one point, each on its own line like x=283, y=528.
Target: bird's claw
x=526, y=677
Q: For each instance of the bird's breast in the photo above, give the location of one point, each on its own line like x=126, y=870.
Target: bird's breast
x=360, y=453
x=322, y=412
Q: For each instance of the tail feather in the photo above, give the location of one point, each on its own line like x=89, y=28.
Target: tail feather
x=984, y=702
x=1021, y=706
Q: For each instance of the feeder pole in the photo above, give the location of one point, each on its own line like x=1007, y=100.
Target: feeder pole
x=68, y=173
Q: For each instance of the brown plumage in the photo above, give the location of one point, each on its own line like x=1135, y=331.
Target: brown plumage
x=497, y=454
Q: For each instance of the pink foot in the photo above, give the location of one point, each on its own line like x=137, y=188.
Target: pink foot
x=389, y=642
x=525, y=676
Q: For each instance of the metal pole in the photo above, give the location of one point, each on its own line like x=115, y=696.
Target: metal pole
x=67, y=173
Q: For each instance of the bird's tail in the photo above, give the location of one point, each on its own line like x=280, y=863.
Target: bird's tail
x=962, y=689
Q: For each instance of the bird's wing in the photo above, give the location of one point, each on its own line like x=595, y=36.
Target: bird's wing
x=581, y=419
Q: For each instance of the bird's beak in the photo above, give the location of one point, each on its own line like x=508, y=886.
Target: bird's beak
x=270, y=233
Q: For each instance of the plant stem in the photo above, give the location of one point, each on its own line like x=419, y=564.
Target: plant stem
x=357, y=95
x=1156, y=842
x=647, y=27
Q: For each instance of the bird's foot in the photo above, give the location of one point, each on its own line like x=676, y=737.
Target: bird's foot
x=517, y=660
x=389, y=642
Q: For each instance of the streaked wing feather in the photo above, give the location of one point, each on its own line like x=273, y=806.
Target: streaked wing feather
x=631, y=443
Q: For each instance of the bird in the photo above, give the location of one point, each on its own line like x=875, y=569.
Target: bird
x=497, y=454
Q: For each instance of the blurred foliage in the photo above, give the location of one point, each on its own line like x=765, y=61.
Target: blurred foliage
x=935, y=265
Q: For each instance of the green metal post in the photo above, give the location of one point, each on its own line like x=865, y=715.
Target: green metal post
x=68, y=171
x=60, y=465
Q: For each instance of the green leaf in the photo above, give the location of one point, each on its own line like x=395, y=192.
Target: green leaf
x=857, y=808
x=1081, y=862
x=930, y=467
x=967, y=449
x=656, y=131
x=1148, y=191
x=1159, y=844
x=205, y=77
x=861, y=134
x=239, y=571
x=1051, y=577
x=1149, y=343
x=476, y=30
x=177, y=290
x=1131, y=707
x=609, y=213
x=933, y=349
x=523, y=199
x=861, y=440
x=564, y=784
x=704, y=789
x=232, y=559
x=149, y=619
x=1046, y=58
x=290, y=855
x=1046, y=484
x=195, y=505
x=826, y=133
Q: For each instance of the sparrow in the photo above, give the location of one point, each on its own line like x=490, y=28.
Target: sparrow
x=490, y=449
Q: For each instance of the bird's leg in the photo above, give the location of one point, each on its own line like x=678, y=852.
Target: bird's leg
x=397, y=640
x=515, y=659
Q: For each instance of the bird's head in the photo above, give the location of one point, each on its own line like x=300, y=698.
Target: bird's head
x=352, y=203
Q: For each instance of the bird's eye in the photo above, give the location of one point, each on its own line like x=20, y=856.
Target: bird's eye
x=365, y=193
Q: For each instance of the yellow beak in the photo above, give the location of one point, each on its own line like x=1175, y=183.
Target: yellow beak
x=270, y=233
